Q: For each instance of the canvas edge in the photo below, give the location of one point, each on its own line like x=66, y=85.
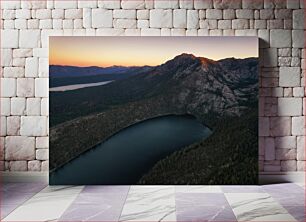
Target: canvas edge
x=264, y=177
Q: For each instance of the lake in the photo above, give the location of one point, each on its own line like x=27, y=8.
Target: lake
x=126, y=156
x=77, y=86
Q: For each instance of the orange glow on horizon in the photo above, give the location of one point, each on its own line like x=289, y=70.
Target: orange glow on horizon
x=140, y=51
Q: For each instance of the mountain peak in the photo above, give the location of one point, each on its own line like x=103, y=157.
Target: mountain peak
x=191, y=57
x=186, y=61
x=206, y=61
x=186, y=55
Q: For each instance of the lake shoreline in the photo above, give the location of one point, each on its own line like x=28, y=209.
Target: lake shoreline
x=77, y=86
x=124, y=128
x=201, y=133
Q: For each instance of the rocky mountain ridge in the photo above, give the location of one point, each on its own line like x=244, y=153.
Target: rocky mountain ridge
x=187, y=82
x=211, y=91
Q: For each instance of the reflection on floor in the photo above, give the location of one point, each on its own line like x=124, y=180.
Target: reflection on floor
x=39, y=202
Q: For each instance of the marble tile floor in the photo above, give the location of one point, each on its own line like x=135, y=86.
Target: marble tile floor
x=39, y=202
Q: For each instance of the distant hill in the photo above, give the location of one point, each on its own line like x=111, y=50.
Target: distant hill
x=76, y=71
x=71, y=75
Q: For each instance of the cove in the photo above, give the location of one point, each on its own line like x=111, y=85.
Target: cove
x=126, y=156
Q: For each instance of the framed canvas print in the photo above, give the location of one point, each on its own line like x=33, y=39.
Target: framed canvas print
x=153, y=110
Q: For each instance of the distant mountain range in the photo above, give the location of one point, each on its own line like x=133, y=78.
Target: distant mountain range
x=76, y=71
x=191, y=83
x=71, y=75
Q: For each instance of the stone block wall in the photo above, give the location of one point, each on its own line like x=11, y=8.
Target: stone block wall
x=26, y=25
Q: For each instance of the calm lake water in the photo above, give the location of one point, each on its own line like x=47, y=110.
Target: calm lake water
x=77, y=86
x=129, y=154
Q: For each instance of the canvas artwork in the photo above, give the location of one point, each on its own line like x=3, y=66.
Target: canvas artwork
x=153, y=110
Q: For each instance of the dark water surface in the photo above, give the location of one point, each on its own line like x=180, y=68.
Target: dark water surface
x=125, y=157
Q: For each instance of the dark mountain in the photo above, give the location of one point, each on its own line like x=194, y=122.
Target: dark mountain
x=75, y=71
x=212, y=91
x=190, y=83
x=218, y=86
x=71, y=75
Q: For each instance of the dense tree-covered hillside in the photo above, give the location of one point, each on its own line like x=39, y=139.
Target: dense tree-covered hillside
x=222, y=95
x=228, y=156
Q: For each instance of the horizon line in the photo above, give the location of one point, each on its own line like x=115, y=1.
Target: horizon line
x=86, y=66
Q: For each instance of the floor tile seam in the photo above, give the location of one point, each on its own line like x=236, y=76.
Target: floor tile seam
x=71, y=202
x=124, y=202
x=283, y=205
x=279, y=205
x=24, y=201
x=230, y=206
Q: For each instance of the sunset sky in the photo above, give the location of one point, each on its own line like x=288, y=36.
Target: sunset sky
x=139, y=51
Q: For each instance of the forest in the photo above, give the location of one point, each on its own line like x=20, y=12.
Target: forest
x=228, y=156
x=222, y=95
